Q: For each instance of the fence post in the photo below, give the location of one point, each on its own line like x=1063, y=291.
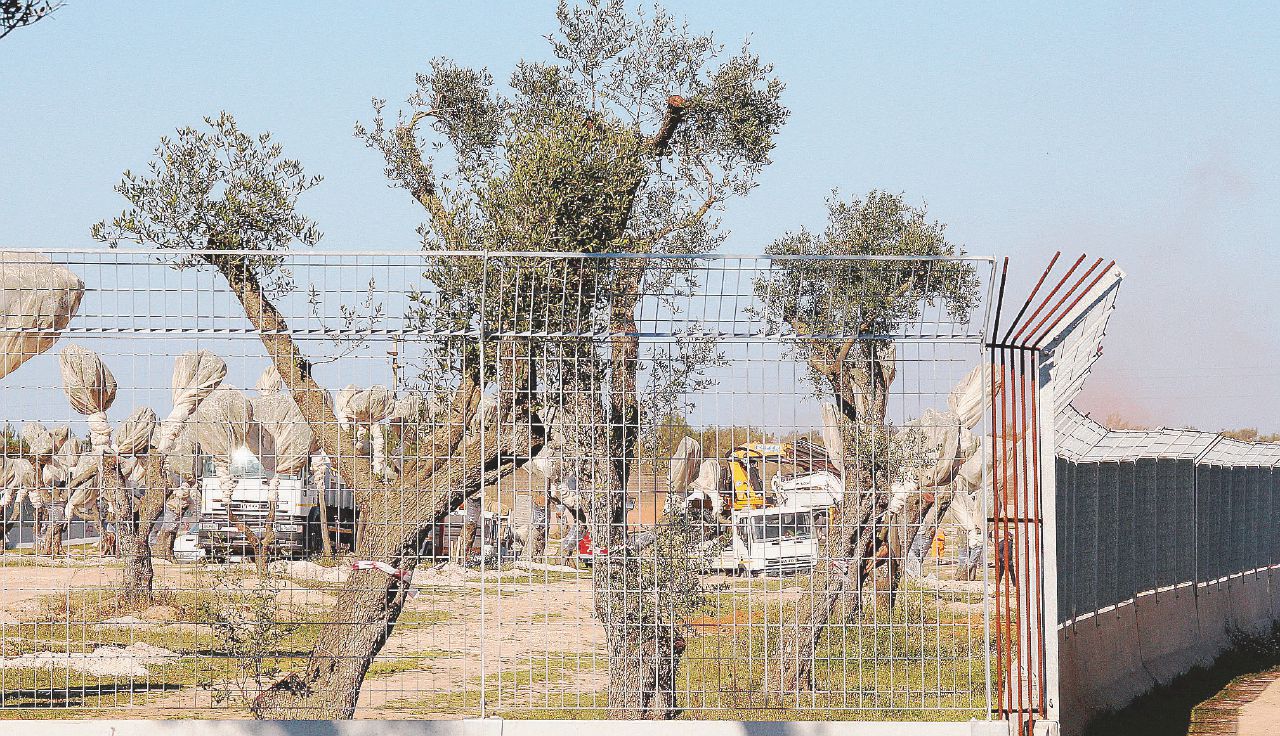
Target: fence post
x=1049, y=541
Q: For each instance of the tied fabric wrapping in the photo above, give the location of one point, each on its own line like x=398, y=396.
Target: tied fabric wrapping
x=406, y=413
x=37, y=301
x=135, y=438
x=181, y=460
x=290, y=434
x=367, y=408
x=945, y=439
x=195, y=375
x=705, y=489
x=291, y=438
x=72, y=459
x=17, y=478
x=968, y=400
x=40, y=446
x=90, y=389
x=271, y=384
x=270, y=381
x=39, y=440
x=223, y=425
x=685, y=464
x=409, y=408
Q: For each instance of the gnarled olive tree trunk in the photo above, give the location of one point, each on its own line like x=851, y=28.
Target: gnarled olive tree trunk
x=466, y=456
x=134, y=516
x=857, y=546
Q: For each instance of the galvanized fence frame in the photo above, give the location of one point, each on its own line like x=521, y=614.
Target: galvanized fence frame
x=138, y=312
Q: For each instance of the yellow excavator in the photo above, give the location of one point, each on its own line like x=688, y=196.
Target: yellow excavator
x=746, y=467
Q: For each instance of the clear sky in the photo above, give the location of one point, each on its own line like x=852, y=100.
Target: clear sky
x=1139, y=132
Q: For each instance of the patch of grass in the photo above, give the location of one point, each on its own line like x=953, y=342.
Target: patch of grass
x=423, y=618
x=537, y=577
x=912, y=663
x=47, y=714
x=412, y=662
x=520, y=689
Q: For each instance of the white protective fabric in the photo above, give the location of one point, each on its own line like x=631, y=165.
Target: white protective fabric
x=291, y=438
x=342, y=404
x=831, y=436
x=61, y=434
x=195, y=375
x=409, y=408
x=223, y=424
x=136, y=432
x=367, y=408
x=704, y=492
x=40, y=447
x=968, y=400
x=39, y=440
x=69, y=461
x=181, y=457
x=270, y=381
x=135, y=437
x=37, y=295
x=91, y=389
x=943, y=442
x=181, y=460
x=685, y=462
x=17, y=479
x=290, y=433
x=899, y=493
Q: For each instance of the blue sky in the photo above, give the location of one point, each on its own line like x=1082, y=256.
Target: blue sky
x=1138, y=132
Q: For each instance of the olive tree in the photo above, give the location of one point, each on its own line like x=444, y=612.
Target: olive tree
x=630, y=140
x=842, y=315
x=235, y=196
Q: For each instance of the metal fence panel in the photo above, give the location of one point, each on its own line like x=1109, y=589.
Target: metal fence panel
x=1128, y=544
x=1108, y=532
x=485, y=358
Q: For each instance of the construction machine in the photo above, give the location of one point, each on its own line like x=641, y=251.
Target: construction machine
x=814, y=467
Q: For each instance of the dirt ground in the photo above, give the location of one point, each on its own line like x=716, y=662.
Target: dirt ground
x=518, y=637
x=510, y=642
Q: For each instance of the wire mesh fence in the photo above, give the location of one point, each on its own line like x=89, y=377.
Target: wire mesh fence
x=448, y=485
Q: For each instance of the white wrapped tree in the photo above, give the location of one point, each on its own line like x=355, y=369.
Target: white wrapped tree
x=224, y=427
x=129, y=470
x=40, y=449
x=37, y=301
x=292, y=442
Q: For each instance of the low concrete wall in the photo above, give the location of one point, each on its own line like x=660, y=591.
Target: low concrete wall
x=497, y=727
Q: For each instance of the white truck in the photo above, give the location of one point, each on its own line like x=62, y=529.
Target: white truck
x=297, y=521
x=779, y=540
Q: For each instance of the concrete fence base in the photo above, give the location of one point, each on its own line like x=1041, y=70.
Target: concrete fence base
x=499, y=727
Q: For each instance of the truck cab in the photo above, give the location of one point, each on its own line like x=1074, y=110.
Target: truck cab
x=297, y=521
x=771, y=541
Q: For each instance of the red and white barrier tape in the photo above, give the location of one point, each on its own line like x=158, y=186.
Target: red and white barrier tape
x=383, y=566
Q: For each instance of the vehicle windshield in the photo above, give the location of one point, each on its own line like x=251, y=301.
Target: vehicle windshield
x=244, y=464
x=771, y=527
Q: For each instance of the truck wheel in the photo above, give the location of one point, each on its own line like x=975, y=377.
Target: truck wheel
x=311, y=534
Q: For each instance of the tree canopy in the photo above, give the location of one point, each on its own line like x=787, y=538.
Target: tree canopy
x=216, y=189
x=844, y=312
